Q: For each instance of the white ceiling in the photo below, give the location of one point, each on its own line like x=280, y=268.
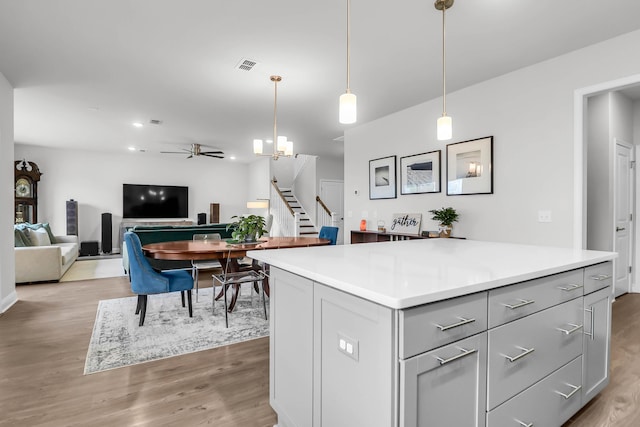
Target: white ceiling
x=85, y=70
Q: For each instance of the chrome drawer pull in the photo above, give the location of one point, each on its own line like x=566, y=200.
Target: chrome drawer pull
x=574, y=391
x=571, y=287
x=523, y=424
x=570, y=331
x=522, y=303
x=462, y=321
x=464, y=353
x=600, y=277
x=591, y=310
x=525, y=351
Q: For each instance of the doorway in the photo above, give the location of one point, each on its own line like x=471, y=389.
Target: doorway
x=614, y=196
x=332, y=194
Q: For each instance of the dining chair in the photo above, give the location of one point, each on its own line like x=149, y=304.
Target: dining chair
x=329, y=233
x=207, y=264
x=146, y=281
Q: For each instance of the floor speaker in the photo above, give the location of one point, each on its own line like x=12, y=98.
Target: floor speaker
x=106, y=233
x=72, y=218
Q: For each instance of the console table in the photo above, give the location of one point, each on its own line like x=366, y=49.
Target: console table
x=371, y=236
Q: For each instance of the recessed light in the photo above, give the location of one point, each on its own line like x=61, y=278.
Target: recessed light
x=137, y=124
x=232, y=157
x=269, y=141
x=132, y=148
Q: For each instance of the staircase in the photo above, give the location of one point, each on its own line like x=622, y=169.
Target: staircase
x=307, y=228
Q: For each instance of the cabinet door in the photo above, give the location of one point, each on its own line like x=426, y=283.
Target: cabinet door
x=291, y=348
x=597, y=330
x=445, y=387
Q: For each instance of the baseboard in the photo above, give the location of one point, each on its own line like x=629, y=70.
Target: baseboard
x=8, y=301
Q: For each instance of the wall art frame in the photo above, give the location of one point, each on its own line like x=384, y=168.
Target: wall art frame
x=420, y=173
x=382, y=178
x=470, y=167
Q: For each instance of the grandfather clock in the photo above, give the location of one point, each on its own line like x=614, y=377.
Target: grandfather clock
x=27, y=176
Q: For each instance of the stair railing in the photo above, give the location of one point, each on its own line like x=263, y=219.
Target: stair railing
x=325, y=216
x=288, y=220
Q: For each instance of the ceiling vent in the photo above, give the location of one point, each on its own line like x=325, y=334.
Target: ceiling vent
x=246, y=64
x=155, y=122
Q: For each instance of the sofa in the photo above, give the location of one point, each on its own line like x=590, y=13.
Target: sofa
x=39, y=258
x=169, y=233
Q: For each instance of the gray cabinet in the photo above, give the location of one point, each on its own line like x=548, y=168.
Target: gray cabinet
x=477, y=360
x=597, y=332
x=444, y=386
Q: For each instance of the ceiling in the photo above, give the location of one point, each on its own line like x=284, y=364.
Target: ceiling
x=84, y=71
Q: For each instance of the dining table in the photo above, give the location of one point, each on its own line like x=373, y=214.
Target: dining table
x=227, y=251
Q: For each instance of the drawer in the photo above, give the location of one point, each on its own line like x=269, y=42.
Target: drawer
x=429, y=326
x=598, y=276
x=513, y=302
x=446, y=386
x=523, y=352
x=549, y=402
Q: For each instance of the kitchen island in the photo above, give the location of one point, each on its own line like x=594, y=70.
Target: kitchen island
x=436, y=332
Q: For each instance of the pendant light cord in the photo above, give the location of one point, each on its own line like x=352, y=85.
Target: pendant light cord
x=275, y=80
x=444, y=62
x=348, y=46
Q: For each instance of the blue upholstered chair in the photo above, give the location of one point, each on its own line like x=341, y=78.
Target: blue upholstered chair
x=330, y=233
x=146, y=281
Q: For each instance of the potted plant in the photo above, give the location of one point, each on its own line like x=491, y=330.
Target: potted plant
x=247, y=228
x=445, y=217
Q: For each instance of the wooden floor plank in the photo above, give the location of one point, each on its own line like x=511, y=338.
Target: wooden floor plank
x=44, y=340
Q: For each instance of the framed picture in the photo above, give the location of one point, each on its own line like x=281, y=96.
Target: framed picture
x=470, y=167
x=420, y=173
x=382, y=178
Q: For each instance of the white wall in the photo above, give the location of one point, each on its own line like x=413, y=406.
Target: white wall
x=530, y=114
x=7, y=256
x=95, y=179
x=599, y=176
x=329, y=168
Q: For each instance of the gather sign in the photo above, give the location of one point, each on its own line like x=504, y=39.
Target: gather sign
x=408, y=223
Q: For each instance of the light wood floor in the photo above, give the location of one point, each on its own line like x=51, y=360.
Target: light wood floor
x=43, y=345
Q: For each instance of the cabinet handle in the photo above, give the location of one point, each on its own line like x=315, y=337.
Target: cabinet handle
x=523, y=424
x=571, y=287
x=574, y=391
x=591, y=310
x=464, y=353
x=600, y=277
x=525, y=351
x=522, y=303
x=462, y=321
x=570, y=331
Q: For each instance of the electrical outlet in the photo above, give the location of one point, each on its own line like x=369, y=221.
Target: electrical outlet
x=348, y=346
x=544, y=216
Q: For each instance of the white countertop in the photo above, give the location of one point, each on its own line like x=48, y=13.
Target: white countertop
x=407, y=273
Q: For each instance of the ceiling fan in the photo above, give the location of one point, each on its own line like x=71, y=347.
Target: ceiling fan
x=196, y=150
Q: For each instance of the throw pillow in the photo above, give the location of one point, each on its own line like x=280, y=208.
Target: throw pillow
x=45, y=226
x=20, y=239
x=39, y=237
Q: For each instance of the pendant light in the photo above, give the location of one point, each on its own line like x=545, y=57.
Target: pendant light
x=281, y=146
x=444, y=124
x=348, y=108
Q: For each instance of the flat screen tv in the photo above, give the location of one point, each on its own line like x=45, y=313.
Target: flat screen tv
x=154, y=201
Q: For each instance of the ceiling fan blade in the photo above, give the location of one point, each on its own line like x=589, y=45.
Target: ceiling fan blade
x=212, y=155
x=212, y=152
x=172, y=152
x=189, y=156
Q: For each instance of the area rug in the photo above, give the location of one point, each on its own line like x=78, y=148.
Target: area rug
x=87, y=269
x=168, y=331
